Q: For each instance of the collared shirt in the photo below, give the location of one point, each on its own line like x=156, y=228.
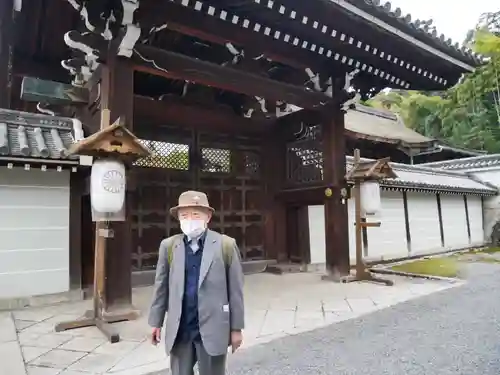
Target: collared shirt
x=189, y=325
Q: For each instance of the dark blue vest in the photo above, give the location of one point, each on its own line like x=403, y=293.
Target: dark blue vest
x=189, y=329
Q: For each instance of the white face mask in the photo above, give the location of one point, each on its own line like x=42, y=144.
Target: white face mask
x=192, y=228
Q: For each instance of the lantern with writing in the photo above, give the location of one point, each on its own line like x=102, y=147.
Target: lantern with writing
x=107, y=190
x=370, y=198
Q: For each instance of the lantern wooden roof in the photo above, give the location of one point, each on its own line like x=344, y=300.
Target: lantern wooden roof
x=114, y=140
x=371, y=170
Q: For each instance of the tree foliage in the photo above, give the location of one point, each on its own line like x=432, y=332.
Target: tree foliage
x=468, y=114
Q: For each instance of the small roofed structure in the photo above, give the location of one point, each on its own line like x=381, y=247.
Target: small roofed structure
x=380, y=133
x=383, y=126
x=112, y=140
x=371, y=170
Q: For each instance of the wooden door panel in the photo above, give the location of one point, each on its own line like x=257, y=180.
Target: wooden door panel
x=227, y=171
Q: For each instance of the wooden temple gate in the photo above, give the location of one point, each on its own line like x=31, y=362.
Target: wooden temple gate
x=244, y=100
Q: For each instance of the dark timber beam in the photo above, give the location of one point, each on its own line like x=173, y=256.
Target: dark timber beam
x=24, y=66
x=6, y=35
x=182, y=67
x=273, y=169
x=151, y=113
x=196, y=24
x=148, y=112
x=117, y=94
x=334, y=170
x=77, y=183
x=178, y=66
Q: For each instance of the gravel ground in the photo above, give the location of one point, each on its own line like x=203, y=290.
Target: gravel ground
x=453, y=332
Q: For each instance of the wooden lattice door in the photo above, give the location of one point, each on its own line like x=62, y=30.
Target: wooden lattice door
x=157, y=182
x=228, y=170
x=231, y=176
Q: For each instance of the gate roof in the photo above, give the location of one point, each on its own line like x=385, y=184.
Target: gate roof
x=387, y=46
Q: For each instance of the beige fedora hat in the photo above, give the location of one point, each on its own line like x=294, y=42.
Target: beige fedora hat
x=191, y=198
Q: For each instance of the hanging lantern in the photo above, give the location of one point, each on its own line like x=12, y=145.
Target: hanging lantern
x=107, y=186
x=370, y=197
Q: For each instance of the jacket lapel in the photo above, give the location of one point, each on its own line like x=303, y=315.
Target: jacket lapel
x=208, y=255
x=179, y=260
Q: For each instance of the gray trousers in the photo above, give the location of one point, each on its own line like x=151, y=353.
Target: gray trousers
x=184, y=356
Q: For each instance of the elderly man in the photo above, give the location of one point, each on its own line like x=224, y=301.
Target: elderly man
x=199, y=282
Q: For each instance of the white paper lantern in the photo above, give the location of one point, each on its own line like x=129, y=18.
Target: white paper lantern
x=107, y=186
x=370, y=197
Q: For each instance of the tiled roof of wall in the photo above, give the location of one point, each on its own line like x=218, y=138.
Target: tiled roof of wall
x=425, y=178
x=35, y=136
x=483, y=161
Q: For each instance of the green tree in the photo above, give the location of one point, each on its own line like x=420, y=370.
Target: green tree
x=468, y=114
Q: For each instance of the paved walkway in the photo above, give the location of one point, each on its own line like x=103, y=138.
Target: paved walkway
x=454, y=332
x=276, y=306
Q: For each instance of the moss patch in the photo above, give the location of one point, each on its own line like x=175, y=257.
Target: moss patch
x=444, y=267
x=488, y=250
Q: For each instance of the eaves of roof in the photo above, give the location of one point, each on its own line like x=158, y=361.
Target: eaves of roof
x=420, y=29
x=383, y=126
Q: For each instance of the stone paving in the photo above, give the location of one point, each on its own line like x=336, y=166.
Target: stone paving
x=276, y=306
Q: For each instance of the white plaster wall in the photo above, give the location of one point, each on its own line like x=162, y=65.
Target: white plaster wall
x=423, y=216
x=476, y=220
x=34, y=232
x=317, y=234
x=352, y=230
x=491, y=204
x=454, y=222
x=389, y=240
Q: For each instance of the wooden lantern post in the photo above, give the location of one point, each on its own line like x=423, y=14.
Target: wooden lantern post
x=361, y=172
x=110, y=142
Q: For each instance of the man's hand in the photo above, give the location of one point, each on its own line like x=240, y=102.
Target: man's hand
x=156, y=336
x=236, y=340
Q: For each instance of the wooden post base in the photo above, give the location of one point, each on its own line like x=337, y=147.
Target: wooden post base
x=102, y=323
x=104, y=327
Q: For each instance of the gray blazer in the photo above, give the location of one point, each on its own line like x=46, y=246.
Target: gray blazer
x=220, y=301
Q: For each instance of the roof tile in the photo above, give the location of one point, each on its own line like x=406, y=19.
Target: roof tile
x=383, y=126
x=30, y=135
x=424, y=28
x=421, y=177
x=476, y=162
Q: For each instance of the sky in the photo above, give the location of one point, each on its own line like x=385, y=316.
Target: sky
x=453, y=18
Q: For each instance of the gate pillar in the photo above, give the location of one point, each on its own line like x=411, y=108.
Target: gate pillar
x=334, y=170
x=274, y=167
x=117, y=94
